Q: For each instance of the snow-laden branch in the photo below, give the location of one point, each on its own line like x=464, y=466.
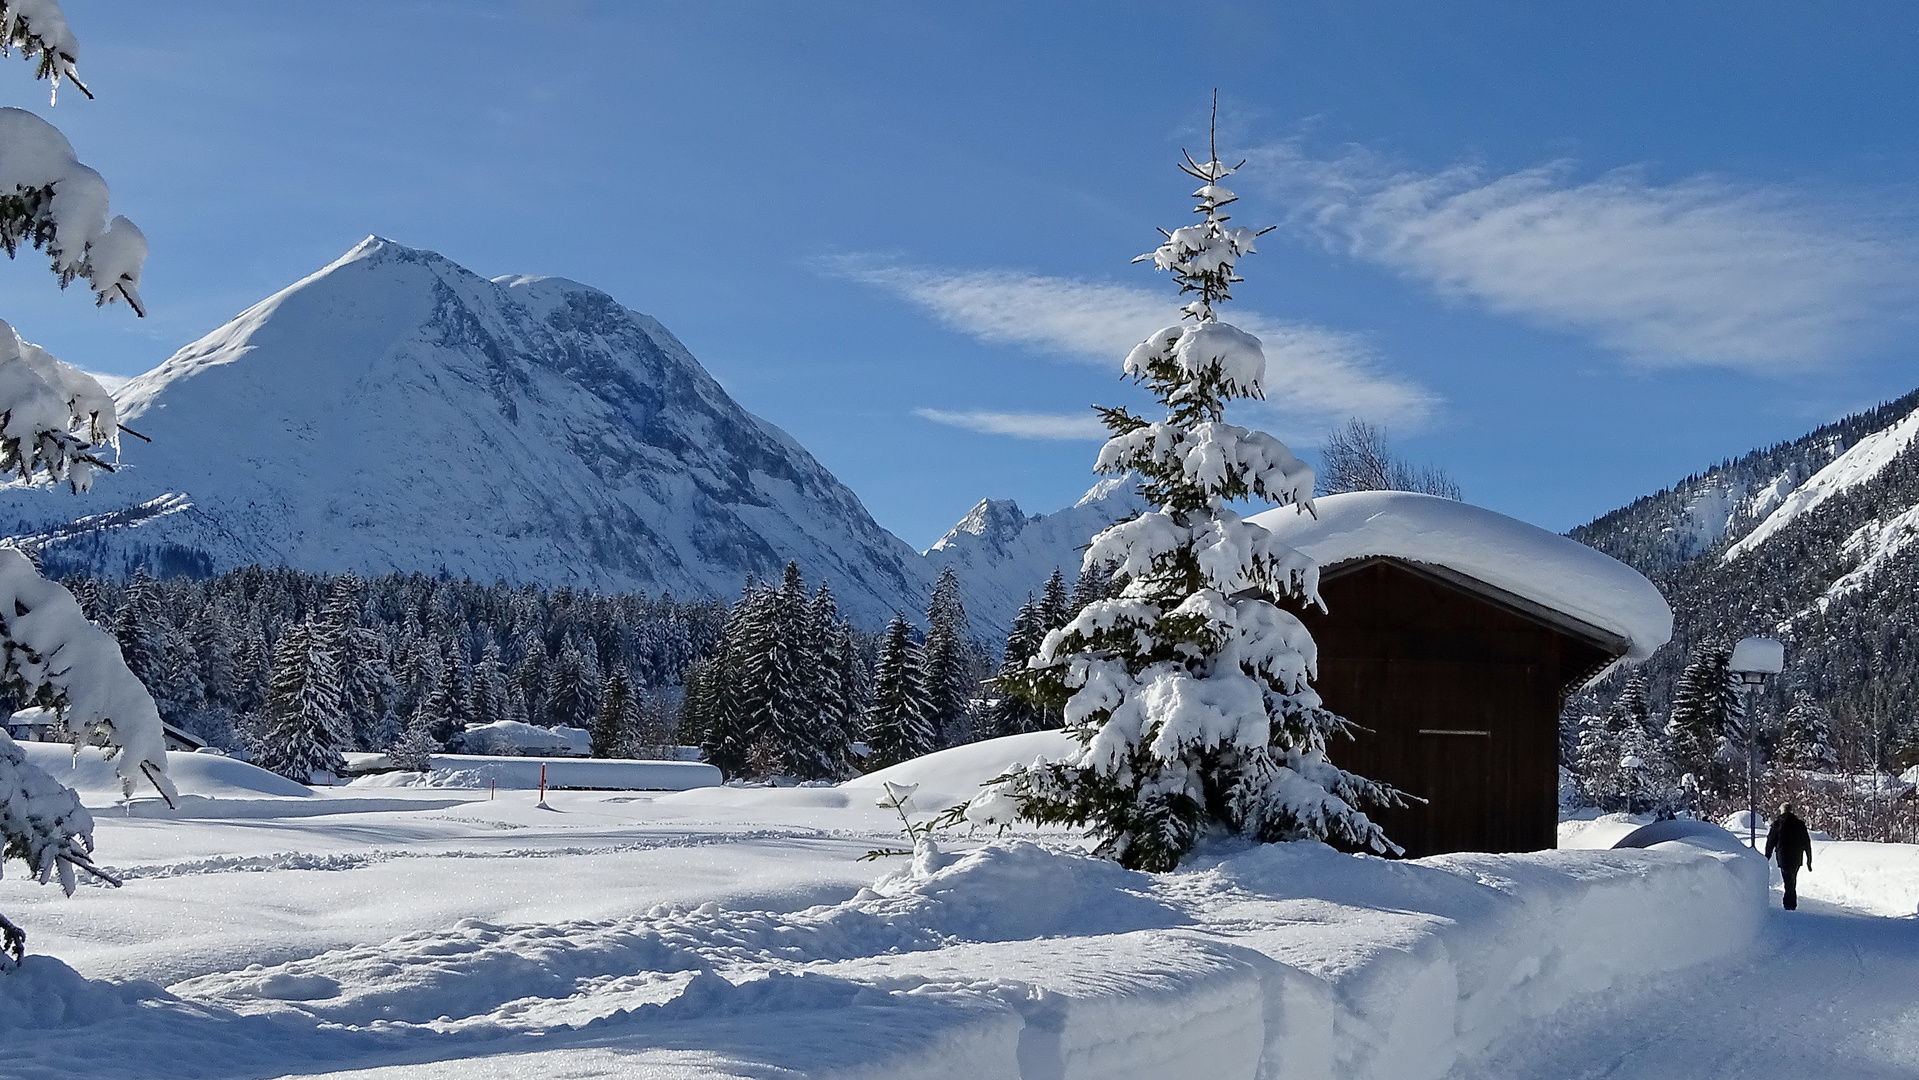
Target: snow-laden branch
x=1218, y=456
x=56, y=657
x=54, y=418
x=38, y=28
x=49, y=200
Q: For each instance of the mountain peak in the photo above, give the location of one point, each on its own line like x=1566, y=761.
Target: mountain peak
x=991, y=521
x=395, y=411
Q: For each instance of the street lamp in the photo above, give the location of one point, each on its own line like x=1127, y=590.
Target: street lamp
x=1752, y=660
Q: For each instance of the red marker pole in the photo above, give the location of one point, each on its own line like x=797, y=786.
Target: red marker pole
x=543, y=783
x=492, y=790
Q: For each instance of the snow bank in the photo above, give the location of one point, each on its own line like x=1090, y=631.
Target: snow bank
x=210, y=776
x=1018, y=960
x=950, y=777
x=1879, y=878
x=1525, y=560
x=601, y=774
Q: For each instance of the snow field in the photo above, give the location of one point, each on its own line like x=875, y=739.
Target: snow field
x=731, y=932
x=479, y=772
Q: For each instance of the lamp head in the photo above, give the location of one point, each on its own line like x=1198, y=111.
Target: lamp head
x=1756, y=657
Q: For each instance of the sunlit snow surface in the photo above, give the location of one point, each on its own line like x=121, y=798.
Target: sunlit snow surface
x=734, y=932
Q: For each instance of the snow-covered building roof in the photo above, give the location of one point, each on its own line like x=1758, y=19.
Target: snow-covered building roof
x=1532, y=568
x=518, y=737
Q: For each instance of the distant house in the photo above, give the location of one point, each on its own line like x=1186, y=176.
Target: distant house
x=514, y=738
x=35, y=725
x=1452, y=635
x=41, y=725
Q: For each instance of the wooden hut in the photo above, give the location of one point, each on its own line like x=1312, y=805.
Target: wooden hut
x=1453, y=634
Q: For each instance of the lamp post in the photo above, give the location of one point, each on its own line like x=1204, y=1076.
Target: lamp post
x=1752, y=660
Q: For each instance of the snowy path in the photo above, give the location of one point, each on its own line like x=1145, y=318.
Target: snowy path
x=1829, y=994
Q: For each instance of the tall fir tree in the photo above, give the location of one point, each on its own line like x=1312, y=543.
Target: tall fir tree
x=487, y=703
x=140, y=627
x=833, y=685
x=1055, y=604
x=899, y=721
x=1008, y=712
x=565, y=695
x=1705, y=706
x=1188, y=694
x=616, y=724
x=1646, y=779
x=1596, y=762
x=1806, y=742
x=727, y=734
x=950, y=663
x=304, y=728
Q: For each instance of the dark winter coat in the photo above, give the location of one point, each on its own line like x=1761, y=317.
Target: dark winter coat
x=1789, y=838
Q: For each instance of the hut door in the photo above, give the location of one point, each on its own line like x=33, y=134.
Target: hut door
x=1457, y=768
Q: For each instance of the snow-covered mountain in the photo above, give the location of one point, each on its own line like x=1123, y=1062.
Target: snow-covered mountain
x=395, y=411
x=1814, y=541
x=1001, y=555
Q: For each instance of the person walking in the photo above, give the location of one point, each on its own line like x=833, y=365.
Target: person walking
x=1789, y=839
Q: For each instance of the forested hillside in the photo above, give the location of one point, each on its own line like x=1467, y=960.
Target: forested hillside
x=1811, y=542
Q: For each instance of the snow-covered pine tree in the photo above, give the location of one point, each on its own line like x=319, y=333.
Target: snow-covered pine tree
x=214, y=638
x=367, y=687
x=413, y=750
x=1595, y=762
x=565, y=693
x=616, y=724
x=1094, y=583
x=833, y=685
x=1055, y=604
x=529, y=676
x=1189, y=692
x=487, y=701
x=1007, y=712
x=1705, y=705
x=726, y=737
x=1807, y=740
x=699, y=701
x=141, y=628
x=899, y=724
x=304, y=728
x=451, y=695
x=951, y=666
x=1645, y=779
x=59, y=421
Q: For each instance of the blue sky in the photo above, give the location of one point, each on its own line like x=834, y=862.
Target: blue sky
x=1570, y=253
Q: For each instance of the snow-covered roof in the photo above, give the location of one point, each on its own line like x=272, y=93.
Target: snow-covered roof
x=527, y=737
x=1512, y=556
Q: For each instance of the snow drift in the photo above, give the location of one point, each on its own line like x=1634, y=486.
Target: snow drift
x=1014, y=960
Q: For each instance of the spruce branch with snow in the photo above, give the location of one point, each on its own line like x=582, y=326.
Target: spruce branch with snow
x=38, y=29
x=55, y=422
x=1189, y=690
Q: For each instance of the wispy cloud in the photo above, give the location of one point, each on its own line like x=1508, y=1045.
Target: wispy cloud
x=1705, y=271
x=1020, y=425
x=1312, y=372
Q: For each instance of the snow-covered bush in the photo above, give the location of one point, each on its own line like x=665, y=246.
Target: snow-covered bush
x=53, y=420
x=1188, y=692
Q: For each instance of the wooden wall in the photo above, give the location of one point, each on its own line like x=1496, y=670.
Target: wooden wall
x=1462, y=697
